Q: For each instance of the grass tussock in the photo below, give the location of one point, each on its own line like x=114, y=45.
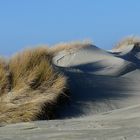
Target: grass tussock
x=127, y=41
x=30, y=87
x=4, y=77
x=70, y=46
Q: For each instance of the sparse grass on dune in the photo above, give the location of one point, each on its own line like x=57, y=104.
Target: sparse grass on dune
x=127, y=41
x=34, y=87
x=69, y=46
x=4, y=77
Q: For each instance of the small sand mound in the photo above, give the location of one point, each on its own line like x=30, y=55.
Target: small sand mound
x=30, y=87
x=126, y=45
x=127, y=41
x=129, y=49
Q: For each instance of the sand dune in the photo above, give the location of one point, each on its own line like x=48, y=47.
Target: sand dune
x=99, y=80
x=91, y=59
x=104, y=96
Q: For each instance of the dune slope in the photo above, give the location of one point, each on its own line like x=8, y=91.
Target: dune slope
x=99, y=80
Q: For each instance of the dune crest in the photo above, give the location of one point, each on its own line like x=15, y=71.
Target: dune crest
x=126, y=45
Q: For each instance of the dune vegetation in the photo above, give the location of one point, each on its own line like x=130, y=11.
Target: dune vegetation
x=30, y=87
x=127, y=41
x=69, y=46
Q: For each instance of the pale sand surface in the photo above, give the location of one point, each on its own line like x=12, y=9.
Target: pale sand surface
x=121, y=124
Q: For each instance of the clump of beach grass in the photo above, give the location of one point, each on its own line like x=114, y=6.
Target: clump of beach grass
x=30, y=87
x=130, y=40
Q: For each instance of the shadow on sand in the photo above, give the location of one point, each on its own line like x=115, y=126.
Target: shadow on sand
x=92, y=93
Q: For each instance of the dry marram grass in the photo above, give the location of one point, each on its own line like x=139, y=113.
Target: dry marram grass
x=127, y=41
x=30, y=87
x=69, y=46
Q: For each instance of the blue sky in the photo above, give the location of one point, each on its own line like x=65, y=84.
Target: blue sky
x=34, y=22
